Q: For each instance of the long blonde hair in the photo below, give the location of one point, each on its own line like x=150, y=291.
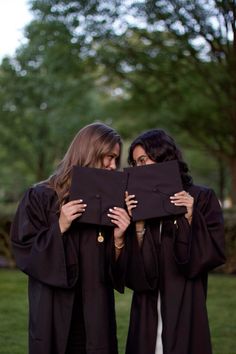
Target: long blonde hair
x=88, y=148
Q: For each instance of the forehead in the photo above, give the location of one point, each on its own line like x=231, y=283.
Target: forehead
x=138, y=151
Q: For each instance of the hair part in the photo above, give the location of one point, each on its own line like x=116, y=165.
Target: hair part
x=160, y=147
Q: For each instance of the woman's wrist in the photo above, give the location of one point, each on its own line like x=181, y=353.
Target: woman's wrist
x=62, y=227
x=189, y=218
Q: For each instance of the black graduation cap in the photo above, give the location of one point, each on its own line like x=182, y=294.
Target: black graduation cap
x=100, y=189
x=153, y=185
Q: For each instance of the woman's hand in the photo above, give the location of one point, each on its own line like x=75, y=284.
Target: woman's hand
x=69, y=212
x=131, y=203
x=121, y=219
x=183, y=198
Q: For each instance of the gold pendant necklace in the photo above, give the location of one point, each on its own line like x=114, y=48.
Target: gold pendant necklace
x=100, y=237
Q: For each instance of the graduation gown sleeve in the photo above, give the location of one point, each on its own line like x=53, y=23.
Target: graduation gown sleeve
x=199, y=248
x=37, y=243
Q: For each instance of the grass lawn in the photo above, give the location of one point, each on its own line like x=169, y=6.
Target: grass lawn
x=13, y=313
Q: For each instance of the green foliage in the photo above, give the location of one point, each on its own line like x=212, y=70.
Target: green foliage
x=175, y=66
x=136, y=65
x=47, y=94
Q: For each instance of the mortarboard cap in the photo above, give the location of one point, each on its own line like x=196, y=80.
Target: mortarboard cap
x=100, y=189
x=153, y=185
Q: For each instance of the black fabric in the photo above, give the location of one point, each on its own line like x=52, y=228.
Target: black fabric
x=153, y=185
x=176, y=264
x=100, y=190
x=77, y=335
x=70, y=288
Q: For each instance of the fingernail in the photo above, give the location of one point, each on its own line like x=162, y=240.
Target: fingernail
x=110, y=209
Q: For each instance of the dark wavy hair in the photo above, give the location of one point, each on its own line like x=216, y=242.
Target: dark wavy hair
x=160, y=147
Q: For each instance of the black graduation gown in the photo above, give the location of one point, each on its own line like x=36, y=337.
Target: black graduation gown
x=57, y=267
x=175, y=263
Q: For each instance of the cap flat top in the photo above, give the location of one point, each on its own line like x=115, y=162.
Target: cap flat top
x=153, y=185
x=100, y=189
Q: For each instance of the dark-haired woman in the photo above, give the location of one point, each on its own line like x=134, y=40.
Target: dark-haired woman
x=71, y=300
x=169, y=260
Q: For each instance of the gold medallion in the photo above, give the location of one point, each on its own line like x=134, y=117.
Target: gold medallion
x=100, y=238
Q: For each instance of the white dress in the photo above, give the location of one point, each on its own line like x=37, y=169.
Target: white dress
x=159, y=346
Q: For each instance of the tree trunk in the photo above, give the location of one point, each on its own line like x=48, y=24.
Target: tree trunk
x=40, y=173
x=221, y=184
x=233, y=179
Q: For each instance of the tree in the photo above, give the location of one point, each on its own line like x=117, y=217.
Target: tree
x=206, y=33
x=139, y=63
x=47, y=94
x=182, y=54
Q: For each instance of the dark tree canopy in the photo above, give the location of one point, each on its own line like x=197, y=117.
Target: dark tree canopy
x=135, y=64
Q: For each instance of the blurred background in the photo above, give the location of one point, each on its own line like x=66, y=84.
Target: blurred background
x=132, y=64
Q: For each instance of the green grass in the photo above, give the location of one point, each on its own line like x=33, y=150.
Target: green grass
x=222, y=313
x=122, y=313
x=13, y=313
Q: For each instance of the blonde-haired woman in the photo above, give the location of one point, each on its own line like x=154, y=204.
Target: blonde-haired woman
x=71, y=300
